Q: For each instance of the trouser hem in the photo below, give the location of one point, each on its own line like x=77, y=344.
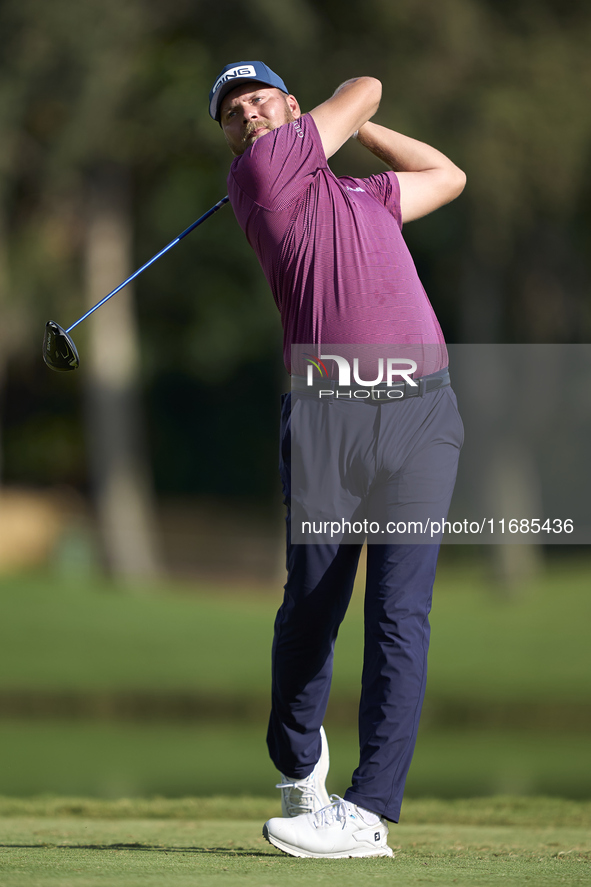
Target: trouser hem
x=392, y=814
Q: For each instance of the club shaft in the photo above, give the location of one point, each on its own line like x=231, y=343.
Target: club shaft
x=172, y=243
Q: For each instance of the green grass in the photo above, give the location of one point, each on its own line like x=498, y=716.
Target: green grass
x=56, y=634
x=110, y=760
x=531, y=646
x=501, y=810
x=91, y=635
x=503, y=841
x=92, y=638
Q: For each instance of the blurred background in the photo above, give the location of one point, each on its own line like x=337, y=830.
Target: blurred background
x=140, y=560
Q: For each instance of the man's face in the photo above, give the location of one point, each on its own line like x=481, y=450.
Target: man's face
x=252, y=110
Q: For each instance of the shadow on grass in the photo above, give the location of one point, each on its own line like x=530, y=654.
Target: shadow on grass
x=150, y=848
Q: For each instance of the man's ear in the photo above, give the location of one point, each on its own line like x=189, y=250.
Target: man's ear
x=293, y=106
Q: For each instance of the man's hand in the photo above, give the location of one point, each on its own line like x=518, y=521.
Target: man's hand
x=352, y=105
x=428, y=179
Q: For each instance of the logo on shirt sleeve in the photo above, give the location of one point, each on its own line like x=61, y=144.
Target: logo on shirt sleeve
x=355, y=189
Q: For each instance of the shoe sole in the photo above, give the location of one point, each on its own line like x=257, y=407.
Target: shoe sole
x=361, y=853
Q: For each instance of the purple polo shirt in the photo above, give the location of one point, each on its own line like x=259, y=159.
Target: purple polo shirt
x=331, y=248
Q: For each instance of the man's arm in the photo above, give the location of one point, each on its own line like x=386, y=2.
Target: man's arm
x=428, y=179
x=352, y=105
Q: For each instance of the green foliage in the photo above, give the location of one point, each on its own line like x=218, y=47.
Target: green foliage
x=503, y=88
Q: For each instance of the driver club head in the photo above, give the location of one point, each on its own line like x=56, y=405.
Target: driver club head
x=59, y=351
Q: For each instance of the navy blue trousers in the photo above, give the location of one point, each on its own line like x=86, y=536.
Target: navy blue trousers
x=399, y=584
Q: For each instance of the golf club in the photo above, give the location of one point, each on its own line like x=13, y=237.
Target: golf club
x=59, y=351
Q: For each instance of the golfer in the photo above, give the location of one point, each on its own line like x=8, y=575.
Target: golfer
x=342, y=277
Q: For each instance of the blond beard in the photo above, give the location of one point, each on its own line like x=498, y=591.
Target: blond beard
x=246, y=143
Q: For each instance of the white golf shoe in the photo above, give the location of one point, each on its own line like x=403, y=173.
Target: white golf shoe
x=338, y=831
x=307, y=795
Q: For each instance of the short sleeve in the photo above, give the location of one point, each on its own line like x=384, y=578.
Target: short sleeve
x=278, y=167
x=385, y=188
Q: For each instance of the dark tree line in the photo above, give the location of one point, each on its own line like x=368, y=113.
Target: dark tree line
x=107, y=152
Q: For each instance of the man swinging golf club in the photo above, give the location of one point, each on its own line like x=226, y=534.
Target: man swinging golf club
x=340, y=272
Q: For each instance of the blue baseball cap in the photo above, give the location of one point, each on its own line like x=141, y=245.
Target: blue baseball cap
x=241, y=72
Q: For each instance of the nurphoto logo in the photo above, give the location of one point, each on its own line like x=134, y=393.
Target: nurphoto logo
x=390, y=370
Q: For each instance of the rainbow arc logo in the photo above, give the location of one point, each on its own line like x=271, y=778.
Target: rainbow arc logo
x=315, y=361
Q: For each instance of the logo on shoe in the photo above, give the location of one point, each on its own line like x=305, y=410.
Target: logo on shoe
x=377, y=836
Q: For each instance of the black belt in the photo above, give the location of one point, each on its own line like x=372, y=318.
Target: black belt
x=328, y=390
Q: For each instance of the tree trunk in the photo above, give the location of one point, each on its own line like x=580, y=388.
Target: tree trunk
x=119, y=467
x=509, y=484
x=11, y=330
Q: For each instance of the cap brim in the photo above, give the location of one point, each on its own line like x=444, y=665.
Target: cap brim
x=215, y=106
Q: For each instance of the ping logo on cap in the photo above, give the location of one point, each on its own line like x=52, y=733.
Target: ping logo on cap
x=233, y=73
x=241, y=72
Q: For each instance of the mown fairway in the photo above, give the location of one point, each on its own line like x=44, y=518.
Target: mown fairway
x=88, y=673
x=500, y=841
